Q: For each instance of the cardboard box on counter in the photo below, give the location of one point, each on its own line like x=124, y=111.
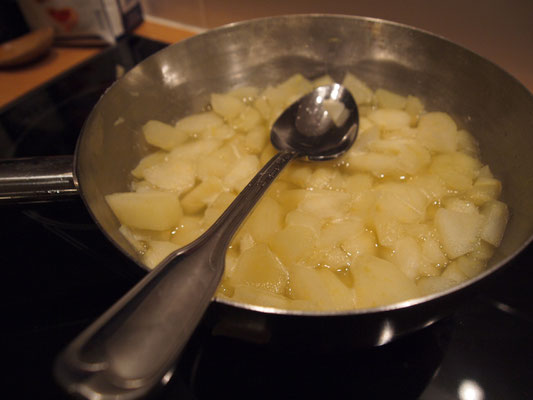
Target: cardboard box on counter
x=82, y=22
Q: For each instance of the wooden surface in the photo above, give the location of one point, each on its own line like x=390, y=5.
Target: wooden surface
x=163, y=33
x=15, y=82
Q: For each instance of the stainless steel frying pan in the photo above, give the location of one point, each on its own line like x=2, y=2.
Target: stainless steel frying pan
x=177, y=81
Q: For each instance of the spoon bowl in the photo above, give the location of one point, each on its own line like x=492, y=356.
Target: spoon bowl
x=132, y=347
x=321, y=125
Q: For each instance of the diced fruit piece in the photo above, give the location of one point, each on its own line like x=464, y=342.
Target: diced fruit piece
x=259, y=267
x=404, y=133
x=457, y=170
x=241, y=173
x=389, y=118
x=408, y=257
x=365, y=138
x=198, y=123
x=305, y=219
x=232, y=256
x=256, y=139
x=457, y=204
x=325, y=178
x=294, y=88
x=245, y=93
x=337, y=112
x=147, y=162
x=496, y=216
x=246, y=242
x=298, y=175
x=335, y=232
x=466, y=143
x=320, y=287
x=193, y=150
x=217, y=163
x=432, y=186
x=388, y=229
x=322, y=81
x=482, y=251
x=189, y=228
x=454, y=273
x=434, y=284
x=485, y=189
x=226, y=106
x=137, y=244
x=265, y=220
x=388, y=99
x=470, y=266
x=414, y=107
x=221, y=132
x=146, y=235
x=163, y=135
x=273, y=105
x=378, y=282
x=485, y=172
x=412, y=157
x=363, y=206
x=420, y=231
x=150, y=210
x=364, y=125
x=360, y=243
x=359, y=90
x=262, y=105
x=325, y=203
x=403, y=202
x=290, y=199
x=358, y=182
x=432, y=251
x=247, y=119
x=438, y=132
x=258, y=296
x=377, y=164
x=177, y=176
x=277, y=188
x=334, y=258
x=293, y=243
x=202, y=195
x=143, y=186
x=216, y=208
x=157, y=251
x=458, y=231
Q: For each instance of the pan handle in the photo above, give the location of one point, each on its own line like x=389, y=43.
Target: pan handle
x=37, y=179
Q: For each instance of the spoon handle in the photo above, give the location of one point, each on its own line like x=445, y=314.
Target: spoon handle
x=232, y=218
x=133, y=347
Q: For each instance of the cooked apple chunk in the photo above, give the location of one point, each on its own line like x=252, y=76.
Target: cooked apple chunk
x=259, y=267
x=163, y=135
x=378, y=282
x=149, y=210
x=495, y=215
x=458, y=230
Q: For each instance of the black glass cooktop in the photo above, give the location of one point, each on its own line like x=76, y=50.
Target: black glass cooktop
x=60, y=273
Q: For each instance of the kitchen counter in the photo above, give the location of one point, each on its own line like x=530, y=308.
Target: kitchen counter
x=18, y=81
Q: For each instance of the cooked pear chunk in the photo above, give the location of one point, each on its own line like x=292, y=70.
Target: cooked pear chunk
x=148, y=210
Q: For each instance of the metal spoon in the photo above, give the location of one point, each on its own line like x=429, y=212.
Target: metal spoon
x=133, y=347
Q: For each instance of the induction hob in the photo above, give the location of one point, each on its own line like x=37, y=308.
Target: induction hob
x=60, y=273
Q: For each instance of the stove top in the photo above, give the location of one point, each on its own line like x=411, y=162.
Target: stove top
x=60, y=273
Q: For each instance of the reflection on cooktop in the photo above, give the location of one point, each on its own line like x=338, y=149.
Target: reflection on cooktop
x=221, y=366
